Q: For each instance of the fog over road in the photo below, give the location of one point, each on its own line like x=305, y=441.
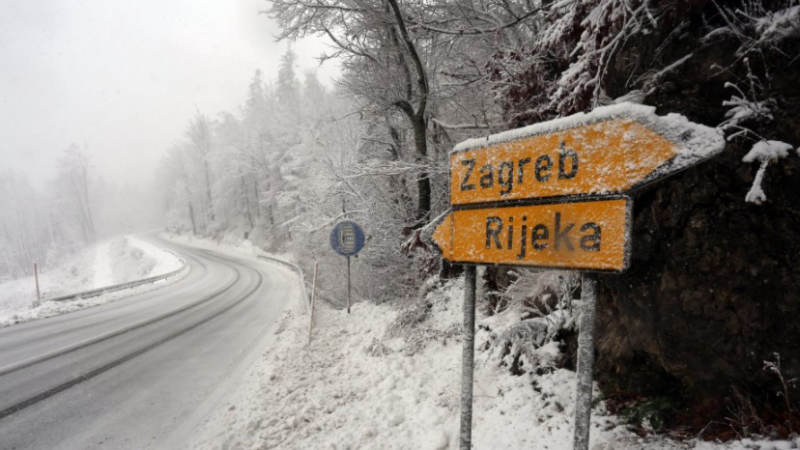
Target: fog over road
x=140, y=372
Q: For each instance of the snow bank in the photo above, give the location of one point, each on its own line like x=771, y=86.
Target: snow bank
x=165, y=261
x=356, y=387
x=335, y=394
x=114, y=261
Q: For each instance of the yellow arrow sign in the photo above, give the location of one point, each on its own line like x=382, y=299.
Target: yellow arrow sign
x=589, y=235
x=611, y=150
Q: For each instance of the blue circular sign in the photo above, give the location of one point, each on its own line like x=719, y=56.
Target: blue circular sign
x=347, y=238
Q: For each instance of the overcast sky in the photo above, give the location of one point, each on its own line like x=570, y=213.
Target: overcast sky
x=124, y=77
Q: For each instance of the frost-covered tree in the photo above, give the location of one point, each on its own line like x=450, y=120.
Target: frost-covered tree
x=287, y=85
x=382, y=60
x=27, y=232
x=200, y=137
x=73, y=183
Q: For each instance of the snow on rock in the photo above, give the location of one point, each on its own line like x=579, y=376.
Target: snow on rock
x=339, y=394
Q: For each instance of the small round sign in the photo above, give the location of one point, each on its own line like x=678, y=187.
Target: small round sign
x=347, y=238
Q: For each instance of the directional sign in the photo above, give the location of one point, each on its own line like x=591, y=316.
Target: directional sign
x=347, y=238
x=611, y=150
x=548, y=196
x=588, y=235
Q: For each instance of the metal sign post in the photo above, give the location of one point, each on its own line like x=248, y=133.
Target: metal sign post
x=36, y=277
x=468, y=358
x=313, y=302
x=347, y=239
x=583, y=402
x=349, y=285
x=551, y=195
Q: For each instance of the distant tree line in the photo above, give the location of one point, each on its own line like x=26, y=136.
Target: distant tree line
x=42, y=224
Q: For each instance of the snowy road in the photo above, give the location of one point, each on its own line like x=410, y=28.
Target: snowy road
x=140, y=372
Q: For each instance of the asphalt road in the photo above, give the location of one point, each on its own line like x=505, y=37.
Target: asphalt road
x=143, y=371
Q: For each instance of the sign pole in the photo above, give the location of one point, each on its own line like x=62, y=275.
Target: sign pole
x=347, y=239
x=468, y=358
x=36, y=277
x=313, y=302
x=552, y=196
x=583, y=406
x=348, y=285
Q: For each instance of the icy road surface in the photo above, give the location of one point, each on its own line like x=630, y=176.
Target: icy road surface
x=143, y=371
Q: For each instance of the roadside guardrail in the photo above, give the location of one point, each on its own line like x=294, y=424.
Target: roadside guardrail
x=121, y=286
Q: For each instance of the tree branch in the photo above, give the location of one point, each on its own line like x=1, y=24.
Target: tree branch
x=412, y=50
x=475, y=31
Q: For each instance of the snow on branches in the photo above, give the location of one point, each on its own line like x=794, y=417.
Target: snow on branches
x=764, y=151
x=747, y=108
x=757, y=28
x=606, y=25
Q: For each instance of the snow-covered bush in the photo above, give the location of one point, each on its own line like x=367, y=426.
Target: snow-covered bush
x=532, y=321
x=434, y=318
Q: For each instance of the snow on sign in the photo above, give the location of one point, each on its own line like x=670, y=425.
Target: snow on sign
x=587, y=235
x=347, y=238
x=548, y=196
x=550, y=193
x=613, y=149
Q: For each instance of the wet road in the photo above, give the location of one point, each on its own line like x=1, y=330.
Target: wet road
x=143, y=371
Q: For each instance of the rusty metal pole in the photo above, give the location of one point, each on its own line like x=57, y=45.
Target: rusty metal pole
x=583, y=403
x=468, y=358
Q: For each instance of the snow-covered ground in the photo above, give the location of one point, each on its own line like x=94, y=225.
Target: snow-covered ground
x=113, y=261
x=358, y=387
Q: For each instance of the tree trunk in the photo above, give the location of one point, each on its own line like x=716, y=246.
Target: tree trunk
x=89, y=217
x=255, y=195
x=423, y=181
x=191, y=209
x=246, y=198
x=208, y=191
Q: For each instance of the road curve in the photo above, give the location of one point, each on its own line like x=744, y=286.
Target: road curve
x=143, y=371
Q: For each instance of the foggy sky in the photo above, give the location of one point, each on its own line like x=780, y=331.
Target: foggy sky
x=125, y=77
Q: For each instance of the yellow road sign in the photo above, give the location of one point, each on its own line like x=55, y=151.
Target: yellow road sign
x=589, y=235
x=611, y=150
